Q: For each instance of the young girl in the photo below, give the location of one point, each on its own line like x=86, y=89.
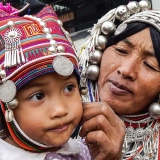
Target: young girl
x=40, y=103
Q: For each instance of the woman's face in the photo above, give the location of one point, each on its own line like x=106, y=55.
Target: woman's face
x=130, y=74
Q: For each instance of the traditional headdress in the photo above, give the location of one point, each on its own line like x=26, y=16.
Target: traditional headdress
x=30, y=46
x=142, y=131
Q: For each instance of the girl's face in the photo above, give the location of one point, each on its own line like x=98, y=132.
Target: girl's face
x=130, y=74
x=49, y=108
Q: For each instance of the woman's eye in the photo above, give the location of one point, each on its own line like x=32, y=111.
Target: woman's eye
x=151, y=67
x=119, y=50
x=37, y=97
x=69, y=88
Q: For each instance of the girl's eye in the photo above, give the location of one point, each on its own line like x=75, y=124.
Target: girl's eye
x=37, y=97
x=69, y=88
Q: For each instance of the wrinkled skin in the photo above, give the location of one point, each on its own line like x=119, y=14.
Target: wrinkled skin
x=128, y=82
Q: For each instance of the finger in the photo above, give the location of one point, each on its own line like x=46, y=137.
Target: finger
x=107, y=147
x=101, y=123
x=99, y=108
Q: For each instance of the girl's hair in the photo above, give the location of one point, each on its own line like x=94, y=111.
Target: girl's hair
x=135, y=27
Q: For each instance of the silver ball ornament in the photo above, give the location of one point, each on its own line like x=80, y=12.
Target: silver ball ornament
x=95, y=57
x=53, y=43
x=13, y=104
x=144, y=5
x=83, y=90
x=122, y=12
x=92, y=72
x=133, y=7
x=108, y=28
x=154, y=110
x=9, y=116
x=61, y=48
x=101, y=42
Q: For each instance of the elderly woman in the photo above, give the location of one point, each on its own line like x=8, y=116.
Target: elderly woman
x=125, y=123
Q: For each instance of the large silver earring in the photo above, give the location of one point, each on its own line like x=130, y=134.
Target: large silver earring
x=154, y=109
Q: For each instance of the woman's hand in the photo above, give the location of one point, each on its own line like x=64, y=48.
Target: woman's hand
x=103, y=130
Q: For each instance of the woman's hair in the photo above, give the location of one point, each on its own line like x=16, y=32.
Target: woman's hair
x=135, y=27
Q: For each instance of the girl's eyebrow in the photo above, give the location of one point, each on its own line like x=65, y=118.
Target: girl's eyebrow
x=131, y=45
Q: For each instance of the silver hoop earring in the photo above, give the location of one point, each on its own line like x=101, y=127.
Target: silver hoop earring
x=154, y=109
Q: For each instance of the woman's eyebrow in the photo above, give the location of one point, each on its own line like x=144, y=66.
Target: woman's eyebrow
x=130, y=44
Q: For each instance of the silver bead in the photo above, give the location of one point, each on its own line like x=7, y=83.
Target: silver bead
x=122, y=12
x=61, y=48
x=95, y=57
x=10, y=24
x=2, y=74
x=13, y=104
x=108, y=28
x=92, y=72
x=83, y=90
x=38, y=19
x=154, y=110
x=52, y=49
x=9, y=116
x=101, y=43
x=60, y=22
x=144, y=5
x=133, y=7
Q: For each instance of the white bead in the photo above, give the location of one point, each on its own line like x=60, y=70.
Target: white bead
x=43, y=24
x=60, y=22
x=46, y=30
x=52, y=49
x=49, y=36
x=10, y=24
x=2, y=74
x=60, y=48
x=53, y=43
x=38, y=19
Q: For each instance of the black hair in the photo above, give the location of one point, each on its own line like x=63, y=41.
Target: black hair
x=135, y=27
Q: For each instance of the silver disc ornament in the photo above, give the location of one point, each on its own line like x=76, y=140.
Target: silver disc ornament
x=7, y=91
x=63, y=66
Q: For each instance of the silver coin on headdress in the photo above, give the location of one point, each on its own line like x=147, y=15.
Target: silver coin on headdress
x=63, y=66
x=7, y=91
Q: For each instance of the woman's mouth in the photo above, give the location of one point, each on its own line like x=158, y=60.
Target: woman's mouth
x=117, y=88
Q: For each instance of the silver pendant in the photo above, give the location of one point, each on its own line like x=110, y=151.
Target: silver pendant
x=63, y=66
x=7, y=91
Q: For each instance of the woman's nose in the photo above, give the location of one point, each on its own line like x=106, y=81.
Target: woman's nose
x=128, y=69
